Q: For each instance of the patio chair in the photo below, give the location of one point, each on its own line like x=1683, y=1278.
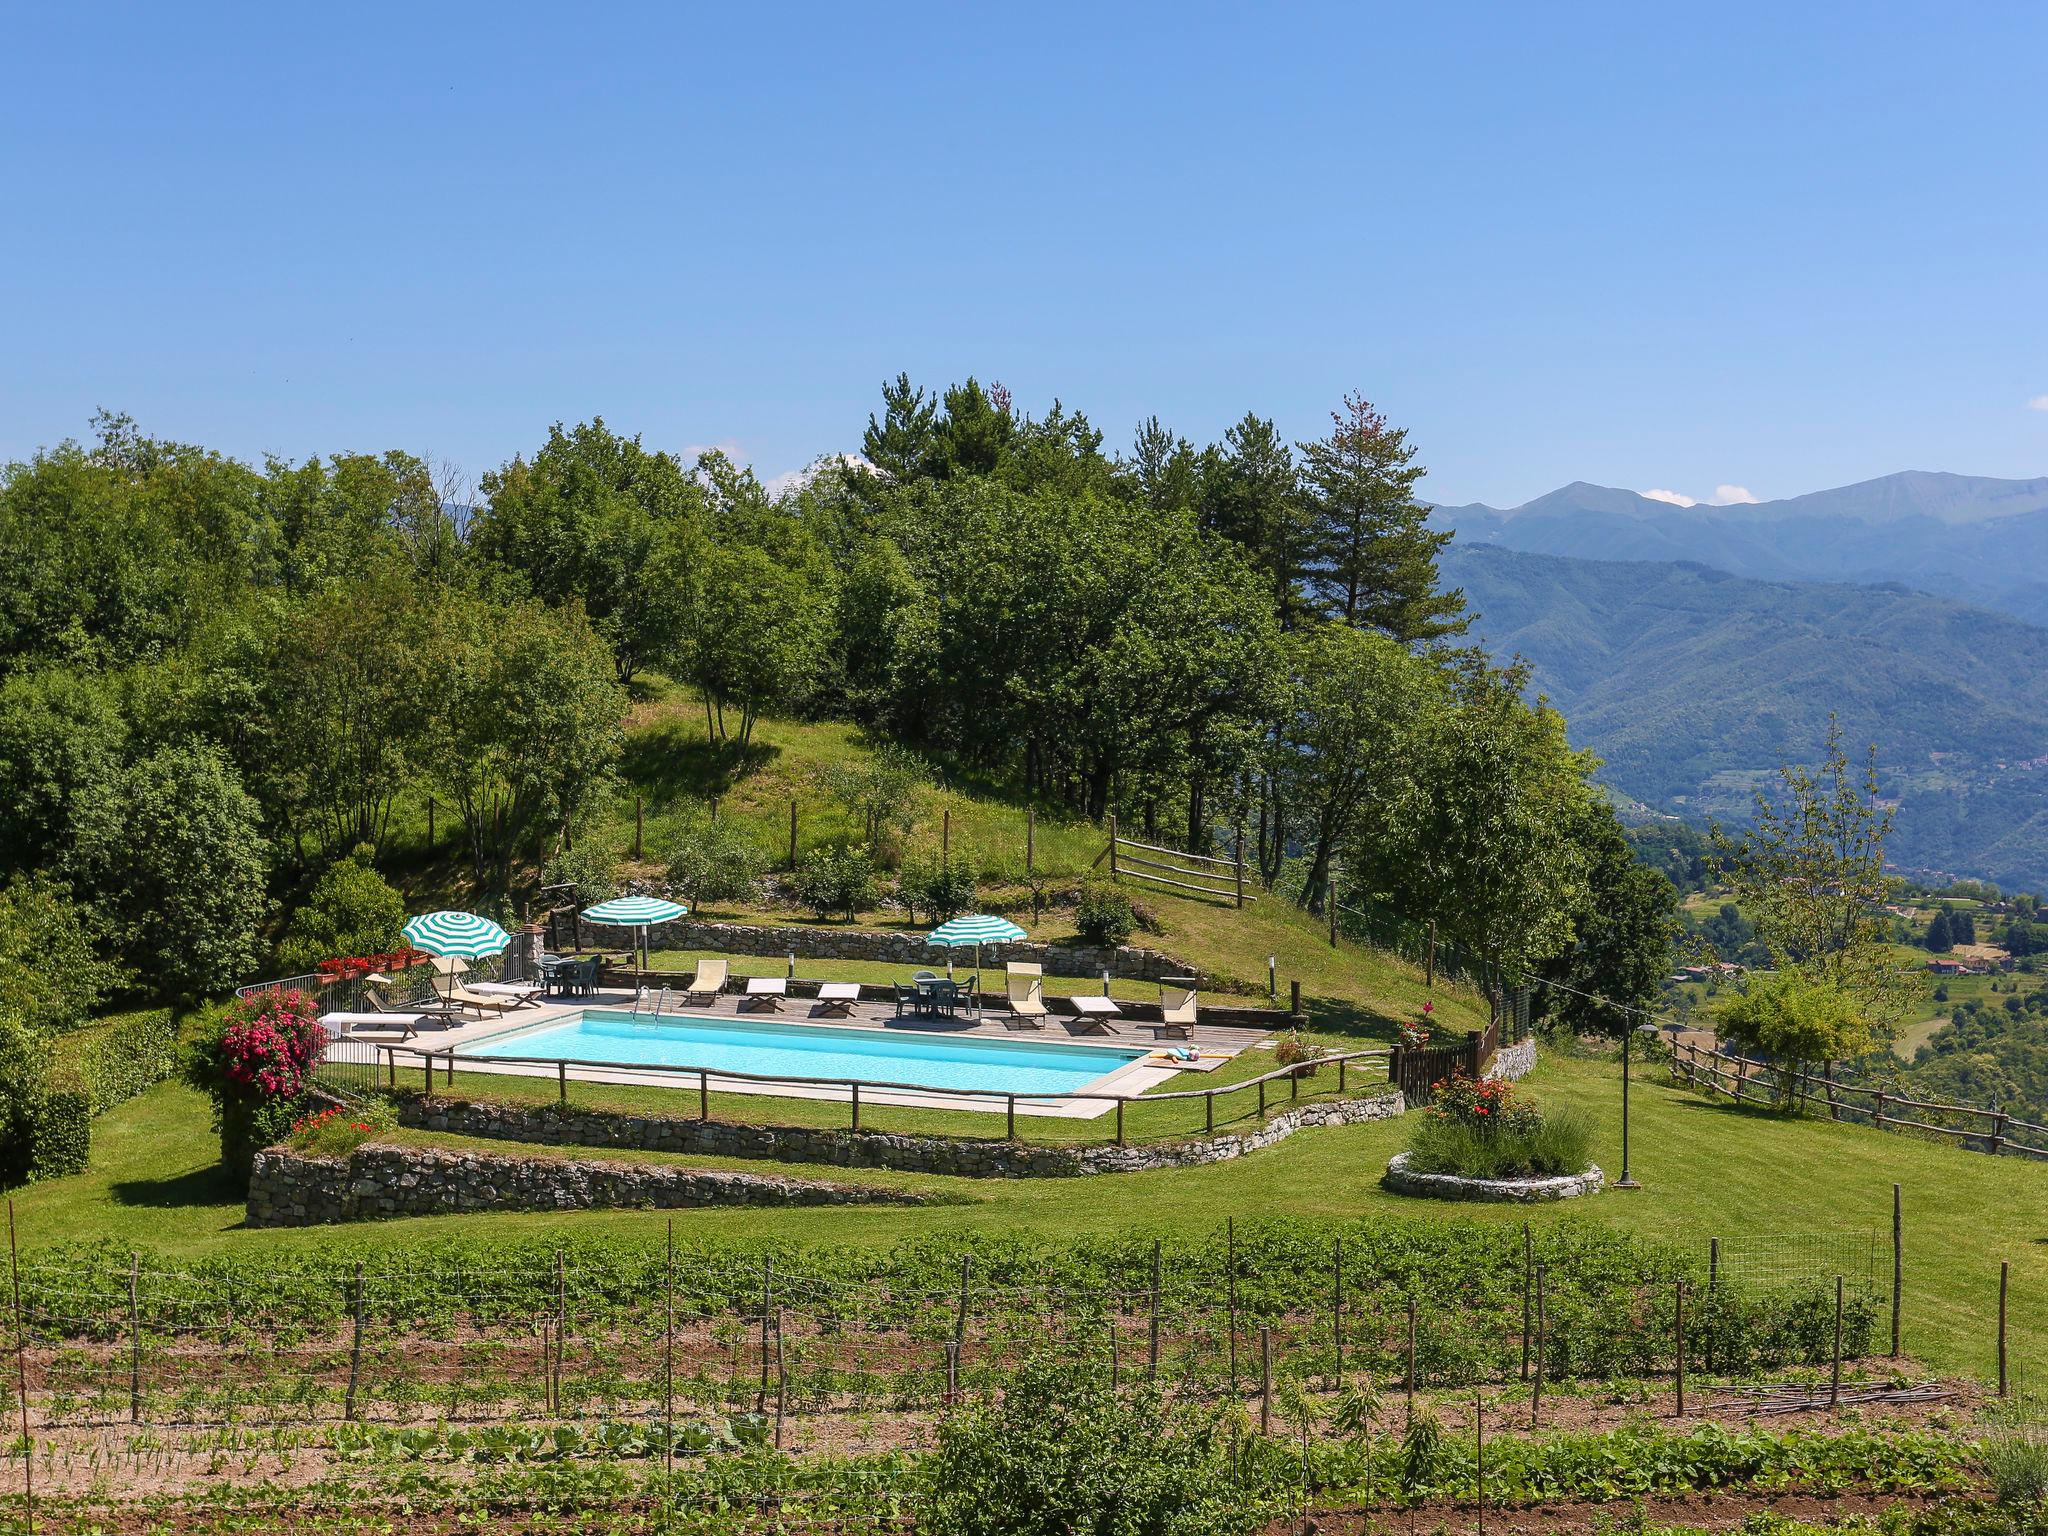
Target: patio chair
x=1025, y=982
x=908, y=1001
x=1177, y=1008
x=708, y=982
x=836, y=998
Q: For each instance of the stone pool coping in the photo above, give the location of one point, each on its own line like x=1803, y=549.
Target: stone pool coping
x=1451, y=1186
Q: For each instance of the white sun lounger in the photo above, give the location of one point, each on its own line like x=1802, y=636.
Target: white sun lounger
x=1025, y=983
x=518, y=993
x=838, y=997
x=765, y=994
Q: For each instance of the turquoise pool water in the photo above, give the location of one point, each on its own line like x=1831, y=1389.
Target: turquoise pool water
x=814, y=1050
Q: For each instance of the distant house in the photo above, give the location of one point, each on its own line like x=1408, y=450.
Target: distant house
x=1949, y=965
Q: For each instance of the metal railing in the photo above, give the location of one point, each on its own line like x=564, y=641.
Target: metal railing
x=384, y=1071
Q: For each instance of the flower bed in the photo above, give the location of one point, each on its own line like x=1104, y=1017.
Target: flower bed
x=1481, y=1140
x=1403, y=1180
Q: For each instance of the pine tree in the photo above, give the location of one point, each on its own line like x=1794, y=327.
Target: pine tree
x=1939, y=941
x=901, y=442
x=1371, y=553
x=1252, y=494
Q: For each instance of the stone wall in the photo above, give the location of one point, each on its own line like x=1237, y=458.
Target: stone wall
x=971, y=1157
x=377, y=1182
x=1514, y=1062
x=904, y=949
x=1449, y=1186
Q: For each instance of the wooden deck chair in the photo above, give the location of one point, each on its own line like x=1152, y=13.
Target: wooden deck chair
x=1177, y=1008
x=708, y=982
x=1025, y=983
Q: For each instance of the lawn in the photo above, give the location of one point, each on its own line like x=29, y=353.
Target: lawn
x=1707, y=1169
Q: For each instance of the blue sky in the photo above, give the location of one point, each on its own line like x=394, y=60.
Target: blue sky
x=1772, y=247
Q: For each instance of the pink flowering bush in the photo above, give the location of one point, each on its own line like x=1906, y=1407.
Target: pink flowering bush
x=256, y=1064
x=1415, y=1032
x=1485, y=1129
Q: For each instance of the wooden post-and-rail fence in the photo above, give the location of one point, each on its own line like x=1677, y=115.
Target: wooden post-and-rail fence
x=1415, y=1070
x=1748, y=1082
x=1196, y=873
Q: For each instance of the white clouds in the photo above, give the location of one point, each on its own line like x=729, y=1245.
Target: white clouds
x=790, y=479
x=1724, y=496
x=2038, y=403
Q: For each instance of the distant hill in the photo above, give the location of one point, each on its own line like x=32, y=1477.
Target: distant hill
x=1981, y=540
x=1694, y=685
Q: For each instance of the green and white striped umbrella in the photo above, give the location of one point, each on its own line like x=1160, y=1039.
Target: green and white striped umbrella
x=979, y=928
x=455, y=933
x=633, y=911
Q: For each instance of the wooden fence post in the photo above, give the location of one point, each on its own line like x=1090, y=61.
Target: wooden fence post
x=1294, y=997
x=1337, y=1306
x=561, y=1320
x=561, y=1082
x=703, y=1095
x=639, y=822
x=945, y=835
x=1330, y=899
x=668, y=1369
x=1030, y=841
x=856, y=1106
x=1409, y=1379
x=792, y=831
x=1528, y=1291
x=767, y=1306
x=1536, y=1386
x=2004, y=1283
x=1237, y=862
x=430, y=823
x=960, y=1315
x=1112, y=845
x=1479, y=1458
x=28, y=1448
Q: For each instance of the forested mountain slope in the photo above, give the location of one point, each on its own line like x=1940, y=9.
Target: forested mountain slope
x=1694, y=685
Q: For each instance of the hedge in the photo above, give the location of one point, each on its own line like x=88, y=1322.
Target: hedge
x=122, y=1055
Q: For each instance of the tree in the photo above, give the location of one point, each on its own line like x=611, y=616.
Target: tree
x=900, y=445
x=596, y=517
x=174, y=863
x=51, y=972
x=879, y=791
x=1345, y=753
x=974, y=434
x=1622, y=936
x=526, y=730
x=1369, y=550
x=759, y=637
x=1810, y=873
x=1795, y=1019
x=61, y=737
x=351, y=910
x=354, y=510
x=878, y=589
x=1251, y=495
x=1939, y=940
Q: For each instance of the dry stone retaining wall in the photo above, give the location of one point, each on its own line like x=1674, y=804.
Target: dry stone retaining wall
x=377, y=1182
x=1514, y=1062
x=1449, y=1186
x=963, y=1156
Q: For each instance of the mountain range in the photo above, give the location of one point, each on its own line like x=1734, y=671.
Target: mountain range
x=1981, y=540
x=1694, y=684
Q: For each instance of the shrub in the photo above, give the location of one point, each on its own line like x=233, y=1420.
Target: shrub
x=119, y=1057
x=837, y=879
x=50, y=974
x=255, y=1061
x=1104, y=915
x=1057, y=1453
x=337, y=1131
x=351, y=910
x=942, y=888
x=45, y=1114
x=1483, y=1130
x=715, y=861
x=591, y=871
x=2015, y=1458
x=1293, y=1051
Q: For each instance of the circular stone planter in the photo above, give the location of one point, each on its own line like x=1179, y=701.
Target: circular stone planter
x=1449, y=1186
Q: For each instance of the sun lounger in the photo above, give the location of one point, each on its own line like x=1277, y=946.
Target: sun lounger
x=423, y=1005
x=518, y=993
x=1177, y=1008
x=838, y=997
x=765, y=994
x=340, y=1025
x=1095, y=1013
x=1025, y=982
x=457, y=995
x=709, y=980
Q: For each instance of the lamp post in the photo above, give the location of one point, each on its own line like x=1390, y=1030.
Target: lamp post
x=1625, y=1181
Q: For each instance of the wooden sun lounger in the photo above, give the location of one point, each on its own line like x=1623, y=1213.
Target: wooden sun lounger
x=838, y=997
x=765, y=994
x=340, y=1025
x=1025, y=983
x=518, y=993
x=1177, y=1009
x=709, y=980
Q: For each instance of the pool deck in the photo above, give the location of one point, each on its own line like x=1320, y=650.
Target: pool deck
x=1217, y=1044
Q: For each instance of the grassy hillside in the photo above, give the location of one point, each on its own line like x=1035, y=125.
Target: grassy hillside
x=1694, y=686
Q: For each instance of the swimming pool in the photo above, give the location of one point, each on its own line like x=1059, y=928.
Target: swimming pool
x=768, y=1049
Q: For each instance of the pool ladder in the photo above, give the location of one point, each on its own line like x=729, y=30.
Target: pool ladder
x=660, y=1001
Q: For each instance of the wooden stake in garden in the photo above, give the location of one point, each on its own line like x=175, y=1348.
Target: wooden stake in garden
x=355, y=1350
x=1835, y=1369
x=2004, y=1284
x=668, y=1376
x=1152, y=1331
x=561, y=1320
x=1479, y=1458
x=1265, y=1379
x=1528, y=1291
x=1898, y=1263
x=1536, y=1387
x=960, y=1313
x=1678, y=1341
x=767, y=1306
x=1230, y=1292
x=134, y=1339
x=781, y=1381
x=1411, y=1360
x=28, y=1450
x=1337, y=1306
